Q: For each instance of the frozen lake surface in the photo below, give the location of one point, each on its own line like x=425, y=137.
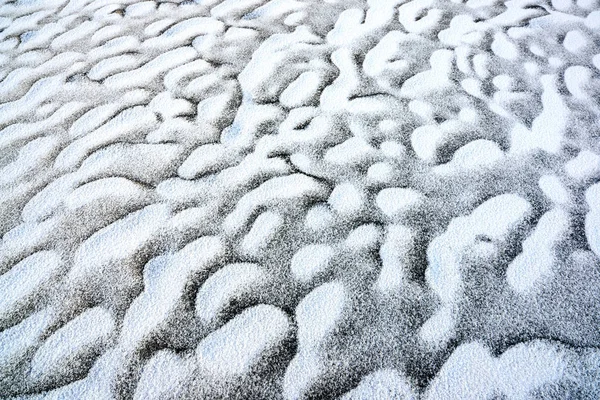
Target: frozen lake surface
x=295, y=199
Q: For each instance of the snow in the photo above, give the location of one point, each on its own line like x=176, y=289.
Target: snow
x=292, y=199
x=592, y=21
x=536, y=263
x=26, y=283
x=365, y=237
x=292, y=187
x=311, y=261
x=585, y=166
x=380, y=61
x=318, y=314
x=163, y=376
x=395, y=255
x=206, y=159
x=114, y=46
x=382, y=384
x=140, y=9
x=548, y=129
x=126, y=125
x=494, y=220
x=592, y=219
x=185, y=72
x=259, y=79
x=346, y=199
x=92, y=195
x=591, y=197
x=439, y=328
x=19, y=341
x=317, y=317
x=72, y=348
x=476, y=154
x=578, y=80
x=554, y=189
x=519, y=372
x=408, y=16
x=235, y=8
x=503, y=47
x=264, y=229
x=302, y=375
x=31, y=156
x=435, y=79
x=165, y=281
x=112, y=65
x=575, y=41
x=168, y=107
x=111, y=249
x=353, y=151
x=98, y=116
x=141, y=162
x=180, y=33
x=395, y=202
x=380, y=172
x=234, y=281
x=303, y=91
x=318, y=217
x=144, y=74
x=233, y=350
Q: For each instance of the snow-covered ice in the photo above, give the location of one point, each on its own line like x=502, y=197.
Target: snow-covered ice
x=299, y=199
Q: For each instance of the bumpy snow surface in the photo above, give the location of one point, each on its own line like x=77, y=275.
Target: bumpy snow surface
x=296, y=199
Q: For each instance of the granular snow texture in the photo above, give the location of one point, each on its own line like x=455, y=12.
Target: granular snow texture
x=300, y=199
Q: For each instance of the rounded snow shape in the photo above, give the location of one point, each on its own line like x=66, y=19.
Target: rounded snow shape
x=235, y=349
